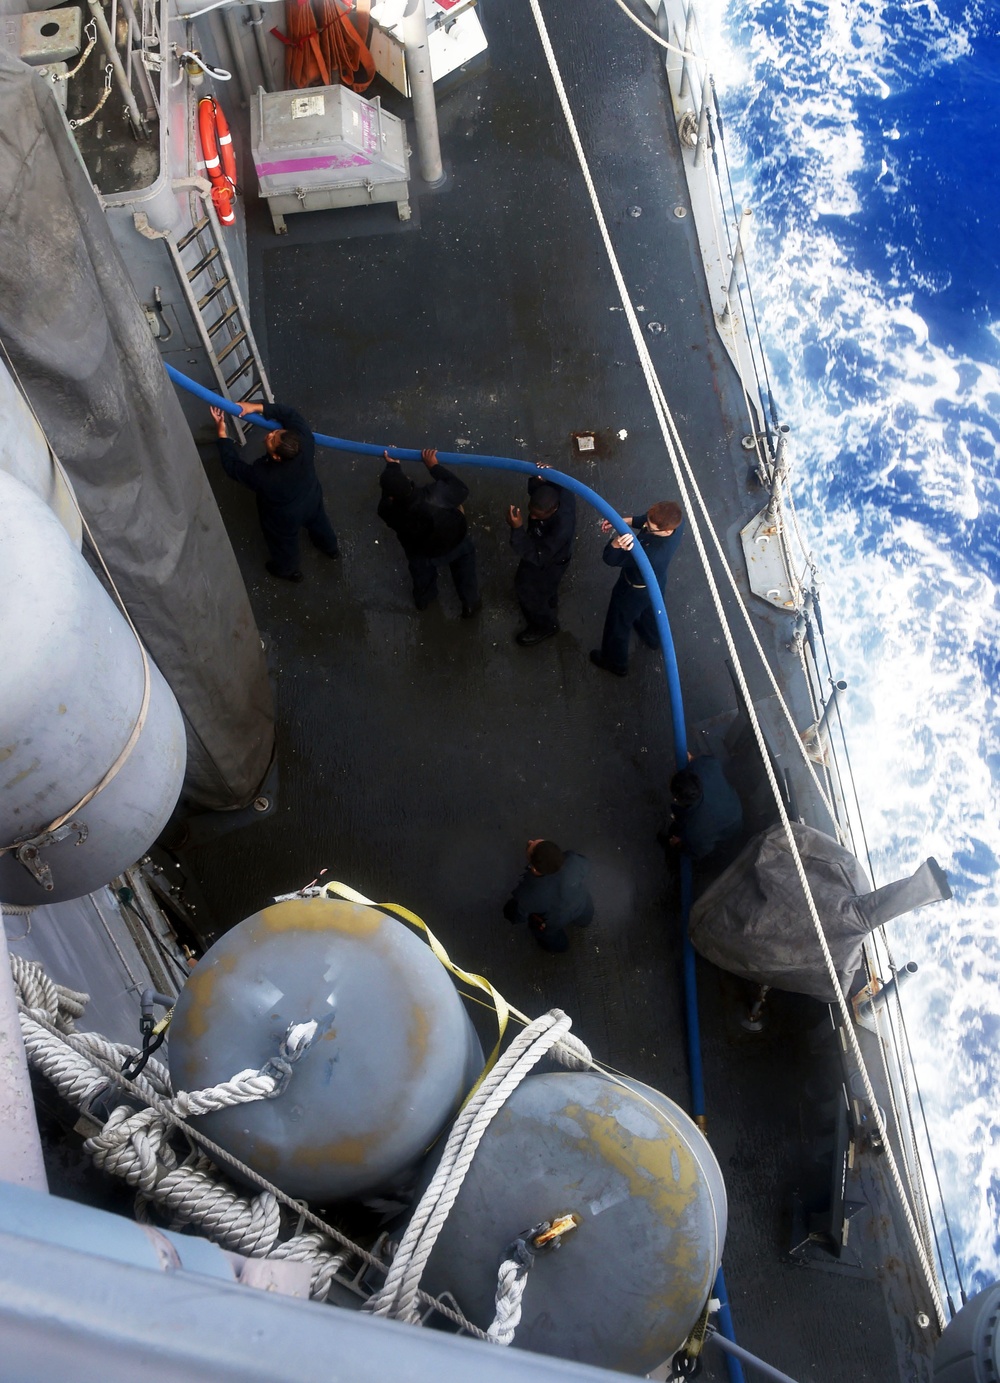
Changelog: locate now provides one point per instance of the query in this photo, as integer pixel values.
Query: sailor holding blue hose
(658, 532)
(284, 479)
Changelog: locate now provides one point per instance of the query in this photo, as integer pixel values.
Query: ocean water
(864, 135)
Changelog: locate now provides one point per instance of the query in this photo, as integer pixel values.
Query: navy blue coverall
(549, 903)
(545, 547)
(289, 495)
(432, 531)
(629, 607)
(715, 821)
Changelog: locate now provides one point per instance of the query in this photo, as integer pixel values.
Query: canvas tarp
(753, 920)
(80, 344)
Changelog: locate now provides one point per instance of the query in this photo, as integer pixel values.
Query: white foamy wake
(895, 450)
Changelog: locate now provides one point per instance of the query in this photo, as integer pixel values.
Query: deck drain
(655, 328)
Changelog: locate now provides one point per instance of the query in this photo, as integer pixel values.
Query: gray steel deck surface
(418, 752)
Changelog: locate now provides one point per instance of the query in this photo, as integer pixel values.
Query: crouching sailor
(552, 895)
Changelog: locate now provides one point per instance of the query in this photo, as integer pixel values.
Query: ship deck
(418, 752)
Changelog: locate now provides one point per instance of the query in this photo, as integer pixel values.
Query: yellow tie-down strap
(503, 1009)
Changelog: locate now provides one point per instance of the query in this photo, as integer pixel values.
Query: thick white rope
(548, 1034)
(512, 1279)
(317, 1250)
(651, 33)
(61, 1005)
(83, 1065)
(671, 440)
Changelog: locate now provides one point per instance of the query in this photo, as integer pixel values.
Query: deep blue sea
(864, 135)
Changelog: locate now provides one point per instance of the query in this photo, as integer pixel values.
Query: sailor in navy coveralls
(552, 895)
(545, 545)
(658, 532)
(432, 529)
(707, 816)
(284, 479)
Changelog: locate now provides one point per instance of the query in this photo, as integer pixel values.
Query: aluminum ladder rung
(218, 287)
(229, 334)
(227, 316)
(236, 341)
(203, 264)
(247, 365)
(195, 231)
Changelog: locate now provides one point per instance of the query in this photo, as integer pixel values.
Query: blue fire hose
(568, 482)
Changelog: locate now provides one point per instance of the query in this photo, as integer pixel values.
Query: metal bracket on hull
(27, 853)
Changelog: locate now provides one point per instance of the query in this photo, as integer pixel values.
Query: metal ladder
(208, 280)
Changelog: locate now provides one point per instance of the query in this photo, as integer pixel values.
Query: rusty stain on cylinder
(318, 914)
(201, 985)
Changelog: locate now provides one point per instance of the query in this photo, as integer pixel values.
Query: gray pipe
(257, 24)
(239, 57)
(418, 73)
(138, 124)
(731, 1347)
(152, 105)
(878, 1001)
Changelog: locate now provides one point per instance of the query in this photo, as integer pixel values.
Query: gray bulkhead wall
(78, 339)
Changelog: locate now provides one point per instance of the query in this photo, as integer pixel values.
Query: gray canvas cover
(753, 920)
(77, 337)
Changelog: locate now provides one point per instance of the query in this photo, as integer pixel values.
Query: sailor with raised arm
(432, 529)
(284, 479)
(659, 532)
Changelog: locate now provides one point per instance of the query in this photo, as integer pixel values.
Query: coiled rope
(134, 1146)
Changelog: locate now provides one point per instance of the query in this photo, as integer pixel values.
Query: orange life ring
(220, 161)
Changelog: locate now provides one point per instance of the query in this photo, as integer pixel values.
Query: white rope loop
(37, 992)
(317, 1250)
(512, 1279)
(399, 1296)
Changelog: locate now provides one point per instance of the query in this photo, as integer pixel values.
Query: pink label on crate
(306, 165)
(369, 128)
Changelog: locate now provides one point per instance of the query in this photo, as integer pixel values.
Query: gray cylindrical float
(394, 1056)
(24, 454)
(71, 687)
(627, 1285)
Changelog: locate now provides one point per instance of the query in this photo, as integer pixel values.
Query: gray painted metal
(73, 1311)
(20, 1146)
(88, 941)
(71, 686)
(52, 1220)
(421, 84)
(82, 347)
(969, 1349)
(326, 147)
(393, 1057)
(24, 453)
(627, 1285)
